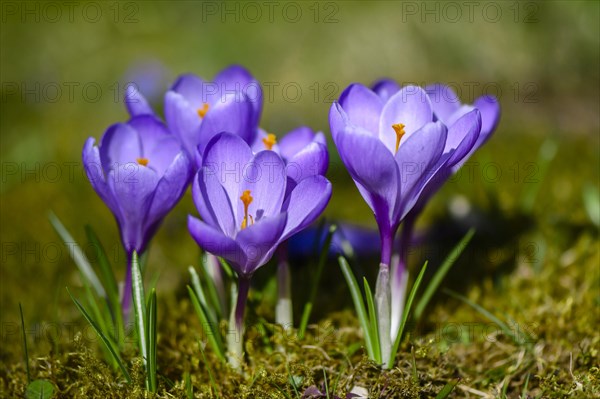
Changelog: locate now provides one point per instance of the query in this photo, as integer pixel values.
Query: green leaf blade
(77, 255)
(441, 273)
(359, 304)
(212, 332)
(109, 345)
(406, 313)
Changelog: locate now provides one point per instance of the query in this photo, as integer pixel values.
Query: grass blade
(152, 337)
(213, 383)
(103, 337)
(139, 306)
(447, 389)
(109, 282)
(315, 283)
(201, 296)
(25, 350)
(359, 304)
(227, 269)
(211, 330)
(215, 295)
(487, 314)
(189, 387)
(524, 393)
(406, 313)
(373, 321)
(78, 256)
(441, 273)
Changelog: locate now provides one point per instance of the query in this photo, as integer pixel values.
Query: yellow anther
(246, 200)
(269, 141)
(142, 161)
(399, 129)
(202, 111)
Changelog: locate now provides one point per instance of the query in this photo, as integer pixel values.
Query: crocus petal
(310, 161)
(227, 157)
(410, 107)
(295, 141)
(193, 89)
(231, 115)
(265, 177)
(170, 188)
(305, 203)
(459, 113)
(462, 136)
(183, 122)
(119, 145)
(417, 159)
(212, 202)
(443, 100)
(132, 186)
(214, 241)
(372, 166)
(362, 106)
(95, 174)
(238, 78)
(258, 241)
(490, 116)
(338, 120)
(159, 147)
(320, 138)
(136, 103)
(386, 88)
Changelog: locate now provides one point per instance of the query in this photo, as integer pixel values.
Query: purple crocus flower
(196, 110)
(303, 151)
(393, 147)
(140, 172)
(305, 154)
(461, 119)
(246, 212)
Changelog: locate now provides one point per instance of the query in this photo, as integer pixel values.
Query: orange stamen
(142, 161)
(269, 141)
(246, 200)
(202, 111)
(399, 129)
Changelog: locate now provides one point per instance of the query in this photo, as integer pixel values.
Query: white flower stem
(383, 308)
(283, 310)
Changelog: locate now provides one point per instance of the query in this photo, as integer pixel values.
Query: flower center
(202, 111)
(246, 200)
(399, 129)
(142, 161)
(269, 141)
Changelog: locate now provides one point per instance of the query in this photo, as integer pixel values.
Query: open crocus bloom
(140, 172)
(448, 108)
(470, 126)
(303, 151)
(392, 148)
(246, 213)
(196, 110)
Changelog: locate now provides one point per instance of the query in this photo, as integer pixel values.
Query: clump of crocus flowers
(254, 190)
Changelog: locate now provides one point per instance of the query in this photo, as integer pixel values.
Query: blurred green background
(64, 69)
